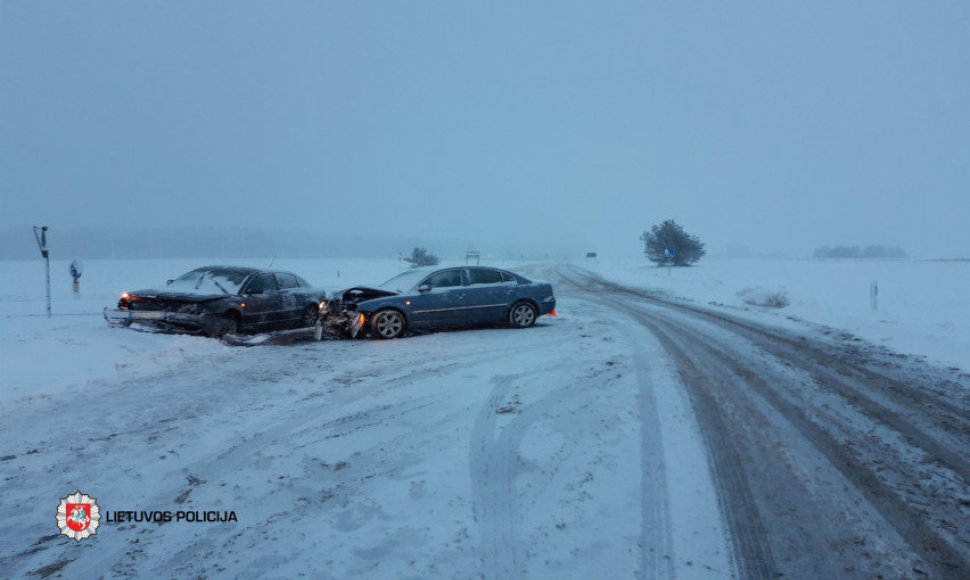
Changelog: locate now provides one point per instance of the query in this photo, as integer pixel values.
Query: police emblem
(78, 516)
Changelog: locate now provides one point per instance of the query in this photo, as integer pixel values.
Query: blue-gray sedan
(424, 299)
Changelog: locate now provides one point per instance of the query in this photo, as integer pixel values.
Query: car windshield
(210, 281)
(404, 281)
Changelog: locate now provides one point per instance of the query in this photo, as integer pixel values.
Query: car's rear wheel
(311, 315)
(522, 315)
(388, 324)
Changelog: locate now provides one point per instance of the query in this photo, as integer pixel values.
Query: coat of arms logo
(78, 516)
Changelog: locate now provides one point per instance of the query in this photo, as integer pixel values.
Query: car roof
(240, 269)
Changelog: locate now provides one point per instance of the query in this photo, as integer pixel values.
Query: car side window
(264, 283)
(507, 278)
(445, 279)
(286, 280)
(485, 276)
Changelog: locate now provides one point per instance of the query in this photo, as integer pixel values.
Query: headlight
(357, 325)
(323, 305)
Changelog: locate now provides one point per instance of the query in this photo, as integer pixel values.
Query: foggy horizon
(767, 129)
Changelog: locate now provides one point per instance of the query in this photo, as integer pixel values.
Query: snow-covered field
(923, 307)
(621, 439)
(40, 356)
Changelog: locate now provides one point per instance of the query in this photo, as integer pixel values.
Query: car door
(262, 299)
(291, 306)
(441, 304)
(486, 298)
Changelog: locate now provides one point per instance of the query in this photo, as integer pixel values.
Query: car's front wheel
(233, 324)
(522, 315)
(388, 324)
(311, 315)
(221, 326)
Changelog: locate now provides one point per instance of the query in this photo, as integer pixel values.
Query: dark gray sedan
(432, 299)
(219, 300)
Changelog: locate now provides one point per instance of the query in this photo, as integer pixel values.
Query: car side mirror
(424, 288)
(169, 282)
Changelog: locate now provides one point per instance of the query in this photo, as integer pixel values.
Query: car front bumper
(179, 321)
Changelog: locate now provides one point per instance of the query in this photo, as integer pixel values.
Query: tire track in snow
(712, 367)
(494, 461)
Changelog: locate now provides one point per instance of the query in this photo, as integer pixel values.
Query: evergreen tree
(687, 249)
(421, 257)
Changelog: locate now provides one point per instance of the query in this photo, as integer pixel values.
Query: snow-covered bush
(760, 297)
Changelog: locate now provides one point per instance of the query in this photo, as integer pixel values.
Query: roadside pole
(41, 234)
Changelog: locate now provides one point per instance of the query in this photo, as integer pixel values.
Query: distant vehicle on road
(216, 300)
(426, 299)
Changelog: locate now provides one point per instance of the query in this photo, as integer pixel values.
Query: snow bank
(923, 307)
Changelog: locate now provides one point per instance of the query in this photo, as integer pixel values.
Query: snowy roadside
(493, 453)
(923, 307)
(41, 357)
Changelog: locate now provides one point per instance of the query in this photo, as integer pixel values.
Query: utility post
(41, 234)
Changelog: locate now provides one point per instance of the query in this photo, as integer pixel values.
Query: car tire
(231, 325)
(311, 314)
(388, 323)
(522, 315)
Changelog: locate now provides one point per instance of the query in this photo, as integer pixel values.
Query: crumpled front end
(186, 320)
(341, 323)
(340, 318)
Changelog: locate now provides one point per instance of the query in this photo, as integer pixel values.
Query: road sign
(40, 233)
(668, 253)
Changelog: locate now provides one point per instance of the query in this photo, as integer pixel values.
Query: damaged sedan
(219, 300)
(421, 300)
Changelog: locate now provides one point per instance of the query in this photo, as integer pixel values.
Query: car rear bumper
(547, 305)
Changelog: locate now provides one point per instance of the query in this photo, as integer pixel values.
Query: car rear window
(481, 276)
(506, 277)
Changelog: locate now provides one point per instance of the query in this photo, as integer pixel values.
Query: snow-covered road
(630, 437)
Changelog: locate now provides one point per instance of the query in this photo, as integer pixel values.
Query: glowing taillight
(553, 313)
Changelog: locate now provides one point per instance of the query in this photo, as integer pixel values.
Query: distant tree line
(859, 252)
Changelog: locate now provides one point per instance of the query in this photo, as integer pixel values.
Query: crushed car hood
(187, 297)
(359, 294)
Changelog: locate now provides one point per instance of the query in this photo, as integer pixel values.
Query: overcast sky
(775, 125)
